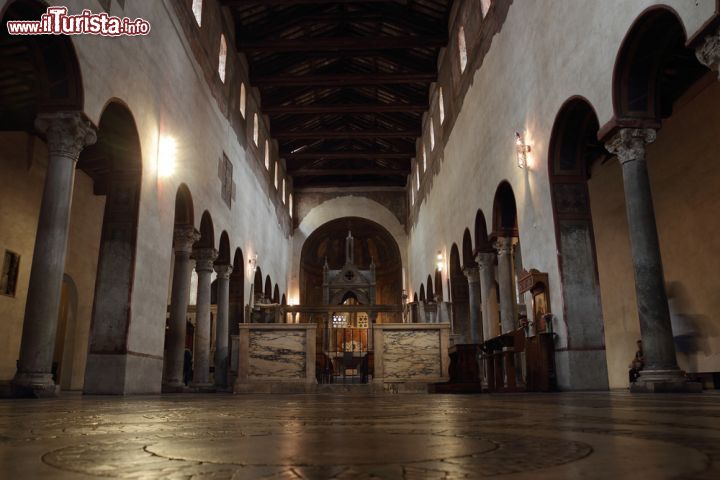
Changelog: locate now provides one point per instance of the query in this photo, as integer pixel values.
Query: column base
(203, 387)
(664, 381)
(174, 388)
(34, 385)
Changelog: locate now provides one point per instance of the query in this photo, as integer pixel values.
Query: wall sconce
(252, 264)
(522, 151)
(439, 261)
(166, 157)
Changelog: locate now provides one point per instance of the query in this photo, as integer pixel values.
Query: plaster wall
(684, 176)
(526, 76)
(23, 162)
(159, 80)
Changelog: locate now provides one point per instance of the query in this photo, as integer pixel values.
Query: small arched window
(255, 129)
(267, 155)
(424, 154)
(197, 11)
(432, 135)
(290, 207)
(242, 99)
(283, 191)
(412, 197)
(417, 177)
(441, 106)
(222, 62)
(462, 48)
(277, 167)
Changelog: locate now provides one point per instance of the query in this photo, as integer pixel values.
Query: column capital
(485, 259)
(472, 274)
(504, 245)
(709, 52)
(223, 271)
(204, 258)
(184, 236)
(628, 144)
(67, 133)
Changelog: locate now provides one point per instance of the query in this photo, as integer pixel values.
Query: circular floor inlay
(343, 448)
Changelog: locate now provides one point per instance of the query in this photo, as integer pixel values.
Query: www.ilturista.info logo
(56, 21)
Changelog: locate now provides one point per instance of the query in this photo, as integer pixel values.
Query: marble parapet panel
(277, 354)
(274, 355)
(410, 354)
(407, 353)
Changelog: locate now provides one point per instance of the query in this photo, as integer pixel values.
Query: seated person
(637, 364)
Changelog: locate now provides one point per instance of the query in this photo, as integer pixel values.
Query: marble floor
(539, 436)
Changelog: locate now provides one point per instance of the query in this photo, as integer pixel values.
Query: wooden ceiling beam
(293, 3)
(347, 108)
(342, 43)
(285, 134)
(347, 156)
(349, 171)
(345, 80)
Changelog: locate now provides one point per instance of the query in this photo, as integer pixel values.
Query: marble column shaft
(222, 325)
(506, 281)
(184, 237)
(488, 292)
(204, 258)
(67, 133)
(474, 304)
(658, 347)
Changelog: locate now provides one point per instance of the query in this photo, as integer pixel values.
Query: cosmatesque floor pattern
(288, 437)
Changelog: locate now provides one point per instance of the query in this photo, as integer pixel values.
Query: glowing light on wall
(522, 150)
(167, 156)
(439, 261)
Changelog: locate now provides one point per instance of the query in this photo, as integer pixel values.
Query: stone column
(488, 292)
(222, 325)
(67, 133)
(184, 237)
(474, 302)
(661, 367)
(709, 52)
(204, 258)
(506, 280)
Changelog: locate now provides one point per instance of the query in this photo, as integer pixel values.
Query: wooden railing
(505, 356)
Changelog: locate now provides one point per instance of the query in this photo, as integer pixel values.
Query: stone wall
(545, 52)
(170, 92)
(23, 163)
(684, 175)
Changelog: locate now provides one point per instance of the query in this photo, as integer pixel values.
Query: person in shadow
(637, 364)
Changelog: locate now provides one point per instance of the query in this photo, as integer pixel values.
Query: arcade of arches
(447, 196)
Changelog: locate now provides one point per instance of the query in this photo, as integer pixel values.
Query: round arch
(114, 163)
(653, 68)
(460, 294)
(468, 257)
(207, 231)
(184, 209)
(237, 292)
(373, 244)
(504, 212)
(56, 82)
(347, 206)
(573, 148)
(223, 257)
